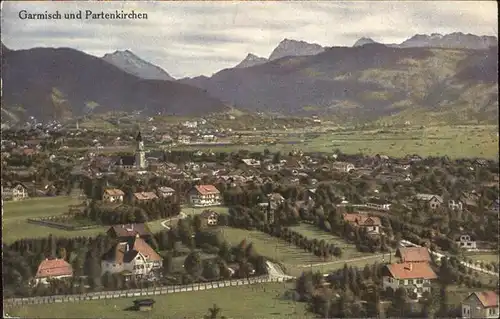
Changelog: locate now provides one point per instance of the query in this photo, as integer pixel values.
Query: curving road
(180, 216)
(435, 253)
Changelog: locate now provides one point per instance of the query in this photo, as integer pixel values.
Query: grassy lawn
(198, 210)
(310, 231)
(293, 258)
(271, 247)
(453, 141)
(487, 257)
(16, 227)
(246, 302)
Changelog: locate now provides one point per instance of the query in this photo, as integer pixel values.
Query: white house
(132, 257)
(210, 217)
(343, 166)
(466, 242)
(204, 196)
(18, 192)
(455, 205)
(52, 269)
(482, 304)
(165, 191)
(414, 277)
(113, 195)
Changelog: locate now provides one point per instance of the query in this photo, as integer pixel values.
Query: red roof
(414, 254)
(411, 271)
(206, 189)
(487, 298)
(362, 220)
(54, 267)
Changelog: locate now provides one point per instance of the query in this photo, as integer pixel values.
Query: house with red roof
(370, 223)
(482, 304)
(132, 256)
(204, 195)
(414, 277)
(413, 254)
(53, 269)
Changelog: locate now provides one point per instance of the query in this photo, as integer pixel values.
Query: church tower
(140, 155)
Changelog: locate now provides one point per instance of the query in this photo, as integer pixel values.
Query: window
(410, 281)
(492, 311)
(419, 281)
(401, 282)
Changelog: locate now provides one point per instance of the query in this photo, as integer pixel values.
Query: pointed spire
(139, 137)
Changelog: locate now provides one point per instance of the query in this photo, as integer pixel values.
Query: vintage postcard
(250, 159)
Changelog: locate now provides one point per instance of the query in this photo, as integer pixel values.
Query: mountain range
(59, 83)
(454, 75)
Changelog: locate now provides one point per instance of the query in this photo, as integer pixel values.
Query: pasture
(296, 260)
(15, 213)
(487, 257)
(452, 141)
(310, 231)
(245, 302)
(198, 210)
(270, 247)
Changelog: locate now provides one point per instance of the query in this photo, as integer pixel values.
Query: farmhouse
(113, 195)
(53, 269)
(128, 230)
(370, 224)
(204, 195)
(413, 254)
(414, 277)
(433, 201)
(132, 257)
(482, 304)
(18, 192)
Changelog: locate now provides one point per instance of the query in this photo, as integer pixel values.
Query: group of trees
(22, 258)
(135, 212)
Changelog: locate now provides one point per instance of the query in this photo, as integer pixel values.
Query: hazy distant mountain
(363, 41)
(60, 83)
(295, 48)
(367, 82)
(456, 40)
(131, 63)
(251, 60)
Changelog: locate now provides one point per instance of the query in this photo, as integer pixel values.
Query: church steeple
(138, 138)
(140, 156)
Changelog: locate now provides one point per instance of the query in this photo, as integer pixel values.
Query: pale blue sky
(194, 38)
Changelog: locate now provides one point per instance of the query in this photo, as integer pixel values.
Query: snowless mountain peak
(289, 47)
(131, 63)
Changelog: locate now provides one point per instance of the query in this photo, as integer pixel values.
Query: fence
(141, 292)
(49, 221)
(385, 207)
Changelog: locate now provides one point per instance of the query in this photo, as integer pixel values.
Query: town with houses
(419, 234)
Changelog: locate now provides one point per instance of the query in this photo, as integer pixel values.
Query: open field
(271, 247)
(310, 231)
(247, 302)
(452, 141)
(487, 257)
(198, 210)
(15, 225)
(293, 258)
